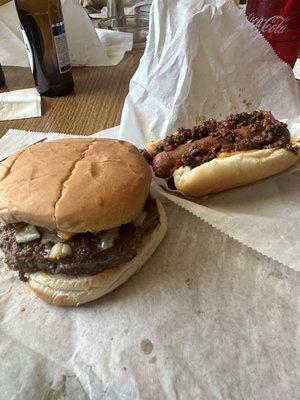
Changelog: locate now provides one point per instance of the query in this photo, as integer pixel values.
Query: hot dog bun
(236, 169)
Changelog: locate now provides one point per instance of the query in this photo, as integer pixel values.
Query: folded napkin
(18, 104)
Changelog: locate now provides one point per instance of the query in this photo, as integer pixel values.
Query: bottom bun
(64, 290)
(234, 170)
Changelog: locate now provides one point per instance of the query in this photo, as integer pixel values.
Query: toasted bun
(63, 290)
(234, 170)
(152, 147)
(74, 185)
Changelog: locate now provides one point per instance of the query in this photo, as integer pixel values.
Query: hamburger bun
(74, 185)
(63, 290)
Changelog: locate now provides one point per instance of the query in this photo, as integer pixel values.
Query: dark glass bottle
(2, 78)
(45, 39)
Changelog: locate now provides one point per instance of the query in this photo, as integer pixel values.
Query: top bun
(74, 185)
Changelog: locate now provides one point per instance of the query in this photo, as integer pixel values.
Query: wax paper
(206, 317)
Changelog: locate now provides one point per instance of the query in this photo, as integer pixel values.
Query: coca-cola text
(279, 22)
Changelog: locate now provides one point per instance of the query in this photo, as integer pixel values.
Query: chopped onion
(27, 234)
(108, 238)
(140, 219)
(60, 250)
(65, 235)
(48, 236)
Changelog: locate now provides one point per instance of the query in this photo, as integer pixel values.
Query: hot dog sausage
(165, 161)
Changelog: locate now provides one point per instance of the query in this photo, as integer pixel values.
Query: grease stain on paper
(276, 274)
(199, 312)
(58, 391)
(146, 346)
(189, 282)
(247, 103)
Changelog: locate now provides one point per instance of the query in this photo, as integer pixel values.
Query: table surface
(96, 103)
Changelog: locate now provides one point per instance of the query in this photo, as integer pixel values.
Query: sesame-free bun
(64, 290)
(231, 170)
(74, 185)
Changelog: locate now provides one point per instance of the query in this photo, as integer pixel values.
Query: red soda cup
(279, 22)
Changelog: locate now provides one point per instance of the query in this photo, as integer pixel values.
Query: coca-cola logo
(276, 24)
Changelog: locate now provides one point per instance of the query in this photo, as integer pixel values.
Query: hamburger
(77, 219)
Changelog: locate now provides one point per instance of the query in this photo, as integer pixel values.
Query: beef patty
(87, 256)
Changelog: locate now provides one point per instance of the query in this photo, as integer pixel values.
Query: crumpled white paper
(297, 69)
(129, 8)
(206, 61)
(18, 104)
(205, 318)
(85, 44)
(203, 61)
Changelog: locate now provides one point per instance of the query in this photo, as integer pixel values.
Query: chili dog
(215, 156)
